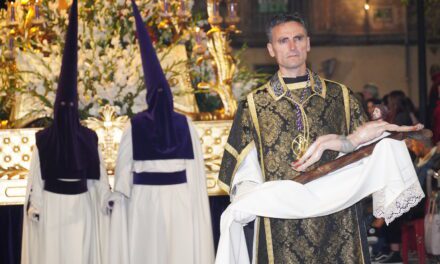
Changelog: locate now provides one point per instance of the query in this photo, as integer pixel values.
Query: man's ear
(308, 44)
(270, 49)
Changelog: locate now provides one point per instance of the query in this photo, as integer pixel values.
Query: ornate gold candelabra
(220, 52)
(174, 14)
(21, 22)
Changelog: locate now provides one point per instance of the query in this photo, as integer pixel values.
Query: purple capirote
(158, 133)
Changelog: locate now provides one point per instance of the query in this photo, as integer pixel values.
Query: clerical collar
(289, 80)
(277, 88)
(299, 82)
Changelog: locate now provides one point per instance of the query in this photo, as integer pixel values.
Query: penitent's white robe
(161, 223)
(72, 229)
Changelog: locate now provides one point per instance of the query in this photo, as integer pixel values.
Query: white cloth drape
(71, 228)
(388, 174)
(161, 224)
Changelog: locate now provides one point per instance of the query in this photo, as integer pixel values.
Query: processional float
(23, 21)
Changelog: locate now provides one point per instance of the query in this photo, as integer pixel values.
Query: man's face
(367, 94)
(289, 45)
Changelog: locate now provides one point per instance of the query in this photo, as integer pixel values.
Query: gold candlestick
(220, 54)
(232, 18)
(11, 18)
(198, 48)
(214, 17)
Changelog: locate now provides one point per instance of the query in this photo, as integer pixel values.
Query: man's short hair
(372, 90)
(284, 18)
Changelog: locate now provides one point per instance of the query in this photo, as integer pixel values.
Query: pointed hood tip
(67, 85)
(168, 132)
(155, 81)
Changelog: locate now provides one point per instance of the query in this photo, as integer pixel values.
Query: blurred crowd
(421, 225)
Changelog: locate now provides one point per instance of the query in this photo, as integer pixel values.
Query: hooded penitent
(158, 133)
(68, 150)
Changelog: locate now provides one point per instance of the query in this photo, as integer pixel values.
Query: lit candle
(232, 9)
(37, 10)
(11, 44)
(215, 8)
(366, 6)
(198, 36)
(12, 17)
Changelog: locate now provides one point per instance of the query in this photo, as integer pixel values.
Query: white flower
(94, 110)
(140, 102)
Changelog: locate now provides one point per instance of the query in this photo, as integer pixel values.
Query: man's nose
(292, 45)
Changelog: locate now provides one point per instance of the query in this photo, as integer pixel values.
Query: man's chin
(295, 66)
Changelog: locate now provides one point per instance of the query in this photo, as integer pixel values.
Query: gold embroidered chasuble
(268, 120)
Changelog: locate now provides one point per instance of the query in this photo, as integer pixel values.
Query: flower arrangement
(109, 65)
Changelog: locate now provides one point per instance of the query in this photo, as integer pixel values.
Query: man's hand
(367, 132)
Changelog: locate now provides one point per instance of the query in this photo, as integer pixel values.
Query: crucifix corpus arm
(365, 133)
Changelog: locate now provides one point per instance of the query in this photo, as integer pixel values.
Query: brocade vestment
(270, 118)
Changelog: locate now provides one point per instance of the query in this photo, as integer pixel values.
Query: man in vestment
(277, 122)
(64, 216)
(161, 211)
